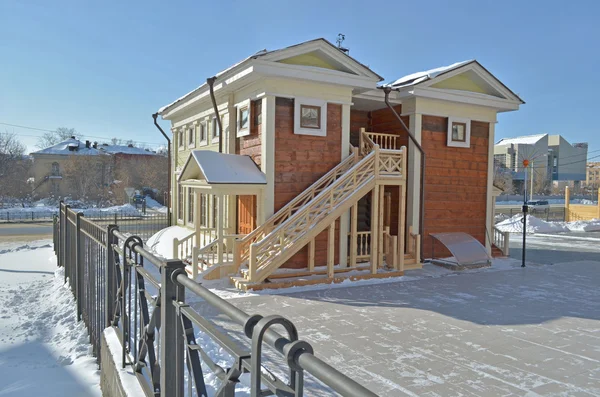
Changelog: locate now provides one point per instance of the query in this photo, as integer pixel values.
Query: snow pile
(155, 205)
(161, 242)
(125, 209)
(45, 350)
(534, 225)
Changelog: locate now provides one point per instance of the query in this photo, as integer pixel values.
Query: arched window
(55, 169)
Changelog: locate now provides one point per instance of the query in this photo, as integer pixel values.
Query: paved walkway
(532, 331)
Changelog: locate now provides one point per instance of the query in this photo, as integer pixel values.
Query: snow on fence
(118, 283)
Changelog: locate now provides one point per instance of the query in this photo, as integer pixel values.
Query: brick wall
(455, 183)
(300, 160)
(250, 145)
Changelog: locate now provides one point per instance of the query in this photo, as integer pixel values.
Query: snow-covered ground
(44, 350)
(536, 225)
(550, 201)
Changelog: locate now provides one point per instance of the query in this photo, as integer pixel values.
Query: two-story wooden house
(317, 179)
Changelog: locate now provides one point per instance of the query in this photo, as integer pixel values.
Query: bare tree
(14, 167)
(503, 178)
(89, 176)
(54, 137)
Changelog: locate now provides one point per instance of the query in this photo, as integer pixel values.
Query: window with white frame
(310, 116)
(459, 132)
(181, 138)
(203, 210)
(180, 203)
(243, 119)
(191, 137)
(202, 133)
(215, 129)
(214, 211)
(191, 203)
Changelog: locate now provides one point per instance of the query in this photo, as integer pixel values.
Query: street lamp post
(525, 209)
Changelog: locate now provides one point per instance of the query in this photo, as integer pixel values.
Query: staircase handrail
(301, 218)
(299, 201)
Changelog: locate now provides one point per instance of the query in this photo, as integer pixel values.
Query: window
(181, 138)
(243, 115)
(214, 211)
(55, 169)
(191, 137)
(203, 132)
(190, 205)
(180, 203)
(203, 210)
(215, 128)
(257, 112)
(459, 132)
(310, 116)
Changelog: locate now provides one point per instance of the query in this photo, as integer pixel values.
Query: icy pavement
(514, 332)
(43, 349)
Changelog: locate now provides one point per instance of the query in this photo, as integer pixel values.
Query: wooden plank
(311, 255)
(374, 228)
(331, 249)
(401, 228)
(353, 235)
(381, 225)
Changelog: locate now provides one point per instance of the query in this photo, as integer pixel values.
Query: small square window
(191, 137)
(243, 118)
(310, 116)
(459, 132)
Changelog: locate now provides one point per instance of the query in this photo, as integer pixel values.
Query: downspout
(154, 116)
(387, 91)
(211, 81)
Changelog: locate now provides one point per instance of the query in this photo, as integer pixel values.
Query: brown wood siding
(455, 183)
(250, 145)
(300, 160)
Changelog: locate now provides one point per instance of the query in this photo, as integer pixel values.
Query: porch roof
(214, 168)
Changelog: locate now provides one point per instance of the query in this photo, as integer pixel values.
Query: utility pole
(525, 209)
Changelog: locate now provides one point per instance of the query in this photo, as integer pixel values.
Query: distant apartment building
(553, 159)
(592, 175)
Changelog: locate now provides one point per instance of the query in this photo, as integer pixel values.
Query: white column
(413, 189)
(220, 213)
(489, 208)
(345, 218)
(267, 156)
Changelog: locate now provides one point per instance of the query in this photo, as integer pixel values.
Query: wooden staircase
(377, 162)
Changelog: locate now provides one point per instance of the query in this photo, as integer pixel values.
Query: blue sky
(104, 67)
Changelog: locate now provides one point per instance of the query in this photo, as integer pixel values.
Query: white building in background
(554, 159)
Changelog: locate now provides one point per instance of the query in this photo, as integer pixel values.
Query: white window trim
(190, 205)
(238, 107)
(213, 126)
(467, 142)
(180, 221)
(311, 102)
(181, 138)
(192, 129)
(203, 142)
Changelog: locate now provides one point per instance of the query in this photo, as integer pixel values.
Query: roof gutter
(386, 91)
(211, 81)
(154, 116)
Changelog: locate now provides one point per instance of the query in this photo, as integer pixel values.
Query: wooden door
(246, 214)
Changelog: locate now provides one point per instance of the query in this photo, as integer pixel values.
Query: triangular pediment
(471, 77)
(320, 54)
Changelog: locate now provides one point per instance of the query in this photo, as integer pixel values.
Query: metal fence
(549, 214)
(118, 283)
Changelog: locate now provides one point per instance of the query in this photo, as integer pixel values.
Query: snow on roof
(62, 148)
(521, 140)
(221, 168)
(419, 77)
(114, 149)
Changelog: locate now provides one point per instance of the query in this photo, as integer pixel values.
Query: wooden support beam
(374, 228)
(381, 226)
(331, 250)
(353, 234)
(311, 255)
(401, 227)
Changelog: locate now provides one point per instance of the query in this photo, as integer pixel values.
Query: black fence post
(171, 333)
(78, 264)
(66, 246)
(110, 279)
